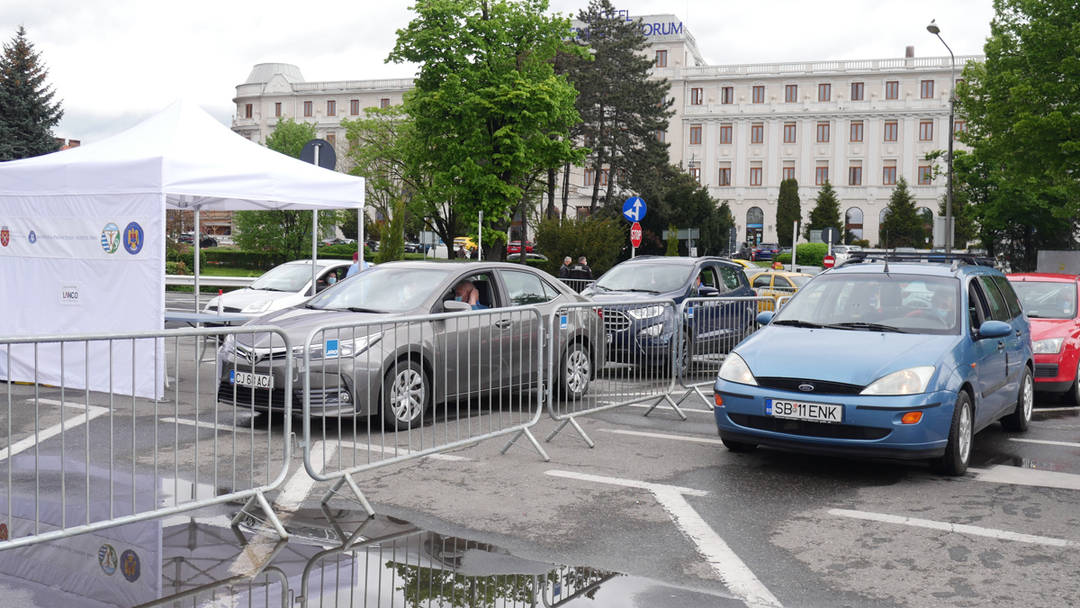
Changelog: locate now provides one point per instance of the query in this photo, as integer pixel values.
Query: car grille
(808, 429)
(821, 387)
(245, 395)
(615, 320)
(1046, 370)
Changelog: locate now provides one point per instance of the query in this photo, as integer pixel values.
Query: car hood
(836, 355)
(1042, 329)
(297, 323)
(622, 296)
(256, 298)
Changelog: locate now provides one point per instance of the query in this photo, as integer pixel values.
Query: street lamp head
(933, 28)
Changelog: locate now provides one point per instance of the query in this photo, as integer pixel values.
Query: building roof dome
(263, 72)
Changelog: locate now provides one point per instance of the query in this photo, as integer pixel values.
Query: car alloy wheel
(577, 371)
(1020, 418)
(958, 448)
(964, 435)
(405, 396)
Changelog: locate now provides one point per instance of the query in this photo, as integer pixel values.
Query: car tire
(1019, 420)
(739, 447)
(405, 396)
(576, 372)
(961, 437)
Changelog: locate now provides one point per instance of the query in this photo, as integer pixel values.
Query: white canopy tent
(82, 234)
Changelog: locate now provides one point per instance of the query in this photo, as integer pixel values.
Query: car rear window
(1047, 299)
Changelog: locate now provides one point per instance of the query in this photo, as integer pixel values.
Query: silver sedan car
(394, 341)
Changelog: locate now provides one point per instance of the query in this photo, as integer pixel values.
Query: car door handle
(1001, 346)
(502, 324)
(1019, 333)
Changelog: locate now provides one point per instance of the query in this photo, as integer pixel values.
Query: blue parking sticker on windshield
(689, 312)
(563, 320)
(331, 348)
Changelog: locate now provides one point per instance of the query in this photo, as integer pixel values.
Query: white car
(280, 287)
(841, 253)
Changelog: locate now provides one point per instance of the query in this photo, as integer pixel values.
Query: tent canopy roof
(193, 159)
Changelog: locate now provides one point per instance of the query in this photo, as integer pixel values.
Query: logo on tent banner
(133, 238)
(129, 565)
(110, 238)
(32, 237)
(106, 557)
(5, 236)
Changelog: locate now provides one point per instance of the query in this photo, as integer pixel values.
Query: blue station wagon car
(909, 373)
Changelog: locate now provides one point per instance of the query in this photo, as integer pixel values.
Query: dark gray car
(392, 341)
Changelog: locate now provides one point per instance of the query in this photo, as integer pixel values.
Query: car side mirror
(708, 292)
(765, 317)
(994, 329)
(456, 306)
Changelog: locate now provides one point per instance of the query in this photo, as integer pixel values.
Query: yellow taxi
(776, 284)
(744, 263)
(464, 242)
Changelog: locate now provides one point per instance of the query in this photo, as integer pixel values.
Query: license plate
(249, 379)
(800, 410)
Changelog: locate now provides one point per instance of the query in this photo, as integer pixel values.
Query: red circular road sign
(635, 235)
(828, 261)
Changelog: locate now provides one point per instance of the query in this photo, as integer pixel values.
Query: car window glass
(647, 277)
(977, 311)
(730, 278)
(382, 289)
(1009, 295)
(287, 277)
(708, 278)
(524, 288)
(1047, 299)
(550, 290)
(762, 280)
(998, 310)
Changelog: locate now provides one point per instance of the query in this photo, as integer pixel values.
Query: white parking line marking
(1064, 444)
(1001, 473)
(56, 429)
(297, 488)
(664, 436)
(396, 451)
(209, 425)
(951, 527)
(735, 574)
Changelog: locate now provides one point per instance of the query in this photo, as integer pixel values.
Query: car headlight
(911, 381)
(228, 345)
(345, 348)
(1050, 346)
(735, 369)
(260, 307)
(646, 312)
(652, 330)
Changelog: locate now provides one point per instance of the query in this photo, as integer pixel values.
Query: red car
(1050, 302)
(515, 247)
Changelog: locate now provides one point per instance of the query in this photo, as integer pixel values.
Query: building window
(354, 107)
(248, 110)
(926, 89)
(661, 135)
(824, 91)
(590, 175)
(695, 172)
(331, 108)
(790, 131)
(661, 59)
(604, 177)
(755, 176)
(695, 134)
(384, 102)
(853, 222)
(331, 138)
(856, 131)
(856, 91)
(823, 132)
(759, 94)
(788, 173)
(727, 95)
(695, 96)
(890, 130)
(308, 108)
(821, 175)
(925, 175)
(725, 134)
(888, 175)
(277, 109)
(892, 89)
(725, 176)
(791, 93)
(926, 130)
(757, 133)
(854, 175)
(959, 127)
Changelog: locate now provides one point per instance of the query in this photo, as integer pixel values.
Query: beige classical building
(740, 129)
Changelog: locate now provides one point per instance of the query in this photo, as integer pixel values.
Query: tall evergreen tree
(788, 210)
(27, 110)
(903, 226)
(826, 211)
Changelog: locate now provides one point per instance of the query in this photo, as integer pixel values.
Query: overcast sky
(113, 62)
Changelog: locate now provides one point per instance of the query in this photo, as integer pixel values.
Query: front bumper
(1055, 373)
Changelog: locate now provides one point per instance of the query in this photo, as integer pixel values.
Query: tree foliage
(27, 110)
(903, 225)
(674, 197)
(490, 116)
(392, 245)
(826, 211)
(596, 238)
(788, 210)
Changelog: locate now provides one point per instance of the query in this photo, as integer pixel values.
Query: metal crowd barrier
(382, 392)
(93, 441)
(577, 285)
(609, 355)
(269, 587)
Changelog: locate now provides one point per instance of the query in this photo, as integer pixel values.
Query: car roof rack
(931, 257)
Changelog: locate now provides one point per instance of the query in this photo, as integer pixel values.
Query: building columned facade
(861, 125)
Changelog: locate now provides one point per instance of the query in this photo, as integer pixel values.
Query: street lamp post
(935, 30)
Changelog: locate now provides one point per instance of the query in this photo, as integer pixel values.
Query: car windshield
(1046, 299)
(287, 277)
(876, 302)
(798, 280)
(652, 278)
(382, 289)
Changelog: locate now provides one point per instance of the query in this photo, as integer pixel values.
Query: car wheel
(576, 372)
(405, 395)
(739, 447)
(961, 434)
(1025, 401)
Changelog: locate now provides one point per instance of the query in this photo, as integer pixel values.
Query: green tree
(965, 228)
(672, 240)
(392, 245)
(675, 197)
(490, 115)
(826, 211)
(599, 239)
(287, 232)
(716, 232)
(903, 226)
(788, 210)
(27, 110)
(1022, 108)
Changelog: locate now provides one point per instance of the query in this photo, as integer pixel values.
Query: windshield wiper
(867, 327)
(796, 323)
(1031, 316)
(641, 290)
(601, 287)
(358, 309)
(270, 289)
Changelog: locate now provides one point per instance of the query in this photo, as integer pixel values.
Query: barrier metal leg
(271, 517)
(674, 406)
(577, 427)
(347, 479)
(695, 389)
(529, 435)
